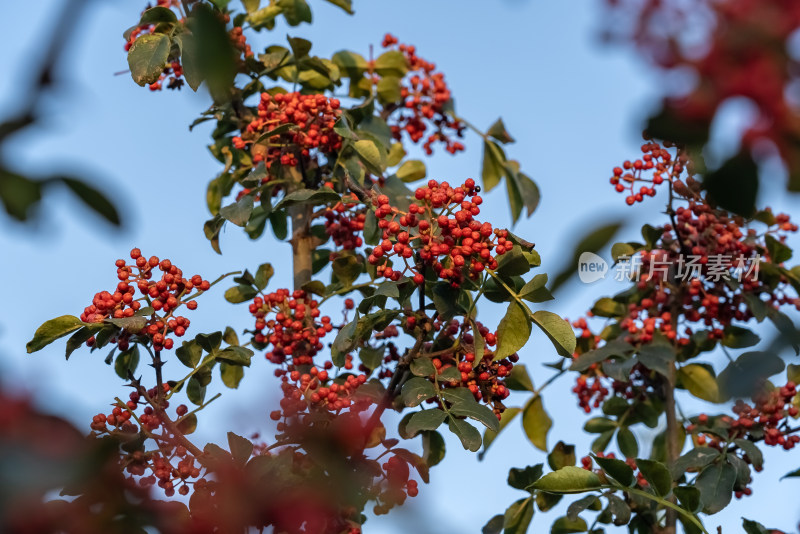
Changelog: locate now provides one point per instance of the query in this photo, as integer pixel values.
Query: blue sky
(573, 105)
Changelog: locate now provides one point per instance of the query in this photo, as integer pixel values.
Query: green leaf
(657, 358)
(562, 455)
(518, 517)
(295, 11)
(752, 451)
(425, 420)
(522, 478)
(411, 171)
(558, 330)
(619, 250)
(354, 65)
(346, 5)
(513, 263)
(626, 442)
(391, 63)
(263, 275)
(264, 17)
(579, 506)
(689, 497)
(373, 158)
(147, 57)
(388, 90)
(778, 251)
(570, 479)
(465, 405)
(493, 165)
(734, 186)
(52, 330)
(240, 293)
(535, 291)
(251, 5)
(494, 525)
(606, 307)
(127, 362)
(536, 423)
(596, 425)
(754, 527)
(235, 356)
(563, 525)
(187, 424)
(737, 337)
(490, 435)
(700, 382)
(189, 353)
(345, 341)
(433, 447)
(518, 379)
(241, 448)
(195, 391)
(157, 14)
(513, 331)
(715, 483)
(231, 374)
(239, 212)
(693, 459)
(323, 195)
(300, 47)
(19, 194)
(744, 374)
(417, 390)
(656, 474)
(94, 199)
(499, 132)
(616, 469)
(422, 367)
(80, 337)
(468, 434)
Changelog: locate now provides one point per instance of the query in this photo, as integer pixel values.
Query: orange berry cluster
(442, 230)
(425, 99)
(312, 118)
(165, 295)
(657, 162)
(293, 331)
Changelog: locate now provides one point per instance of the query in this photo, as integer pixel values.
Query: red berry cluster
(293, 331)
(165, 295)
(767, 419)
(119, 418)
(442, 231)
(657, 162)
(722, 251)
(425, 97)
(311, 117)
(344, 222)
(314, 389)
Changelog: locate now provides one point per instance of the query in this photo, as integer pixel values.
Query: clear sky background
(574, 106)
